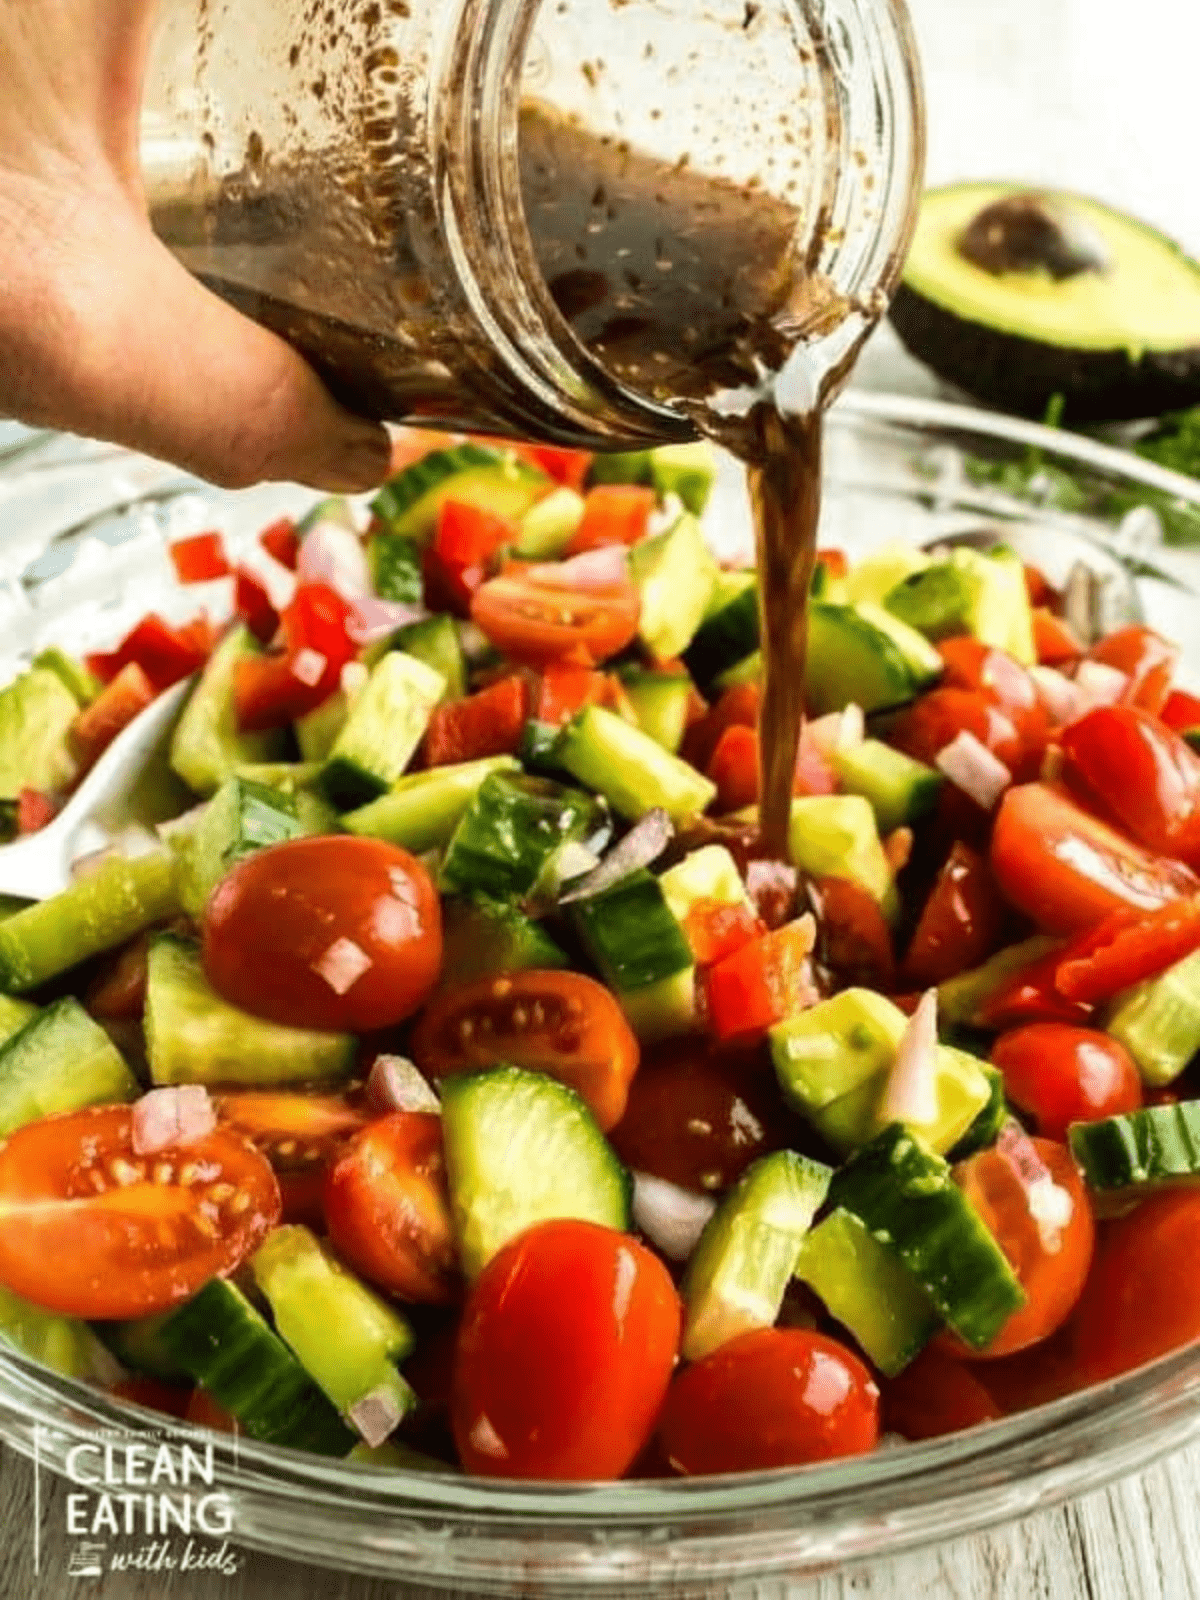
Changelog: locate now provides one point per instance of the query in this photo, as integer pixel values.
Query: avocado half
(1018, 295)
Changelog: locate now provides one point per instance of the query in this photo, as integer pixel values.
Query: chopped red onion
(172, 1118)
(342, 965)
(372, 619)
(772, 887)
(671, 1218)
(1098, 684)
(396, 1084)
(1061, 697)
(570, 862)
(840, 730)
(354, 678)
(1050, 1205)
(910, 1095)
(309, 666)
(335, 556)
(604, 568)
(473, 642)
(643, 844)
(973, 768)
(376, 1416)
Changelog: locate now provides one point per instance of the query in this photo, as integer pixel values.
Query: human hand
(102, 332)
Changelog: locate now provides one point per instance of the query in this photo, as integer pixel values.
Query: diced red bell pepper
(1146, 778)
(737, 708)
(1053, 639)
(1038, 587)
(254, 606)
(1147, 660)
(715, 929)
(271, 691)
(613, 513)
(734, 768)
(1181, 712)
(283, 542)
(566, 688)
(113, 709)
(200, 558)
(457, 562)
(35, 810)
(567, 467)
(1126, 949)
(834, 562)
(486, 724)
(165, 654)
(762, 983)
(960, 924)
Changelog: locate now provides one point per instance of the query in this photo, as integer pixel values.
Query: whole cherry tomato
(1143, 776)
(935, 1395)
(961, 922)
(1060, 1075)
(337, 933)
(566, 1348)
(777, 1397)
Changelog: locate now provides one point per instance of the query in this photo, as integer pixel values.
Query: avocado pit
(1030, 233)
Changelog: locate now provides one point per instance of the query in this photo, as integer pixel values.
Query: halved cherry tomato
(613, 513)
(1148, 660)
(118, 990)
(200, 558)
(762, 983)
(253, 606)
(387, 1208)
(90, 1229)
(337, 932)
(113, 709)
(1181, 712)
(1067, 870)
(1143, 1297)
(169, 1398)
(936, 1395)
(489, 723)
(566, 688)
(565, 1352)
(1143, 776)
(206, 1411)
(777, 1397)
(282, 541)
(698, 1115)
(716, 929)
(1126, 948)
(1051, 1262)
(533, 620)
(560, 1023)
(165, 654)
(856, 942)
(1060, 1075)
(299, 1134)
(35, 810)
(1053, 640)
(961, 922)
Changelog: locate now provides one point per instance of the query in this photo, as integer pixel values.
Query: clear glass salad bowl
(83, 555)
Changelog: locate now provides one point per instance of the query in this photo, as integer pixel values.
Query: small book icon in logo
(86, 1561)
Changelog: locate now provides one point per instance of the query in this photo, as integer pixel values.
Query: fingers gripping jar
(579, 219)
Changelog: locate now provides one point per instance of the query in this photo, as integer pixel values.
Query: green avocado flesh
(1117, 335)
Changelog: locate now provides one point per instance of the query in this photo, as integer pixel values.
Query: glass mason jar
(577, 219)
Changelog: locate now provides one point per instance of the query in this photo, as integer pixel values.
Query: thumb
(140, 353)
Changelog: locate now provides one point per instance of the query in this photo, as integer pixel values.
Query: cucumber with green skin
(394, 562)
(727, 636)
(521, 1149)
(422, 810)
(631, 935)
(631, 771)
(223, 1344)
(208, 746)
(1156, 1144)
(193, 1036)
(660, 701)
(901, 791)
(511, 829)
(471, 474)
(483, 936)
(907, 1197)
(386, 723)
(61, 1060)
(107, 908)
(241, 818)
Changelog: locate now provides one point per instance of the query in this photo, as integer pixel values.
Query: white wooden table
(1095, 95)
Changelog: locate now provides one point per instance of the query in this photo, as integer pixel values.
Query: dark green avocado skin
(1023, 375)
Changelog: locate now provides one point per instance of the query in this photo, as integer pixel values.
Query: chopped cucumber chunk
(906, 1197)
(435, 641)
(395, 566)
(105, 909)
(79, 679)
(385, 725)
(1158, 1022)
(423, 810)
(241, 818)
(631, 771)
(208, 746)
(835, 835)
(748, 1251)
(876, 575)
(1139, 1148)
(60, 1061)
(727, 635)
(36, 713)
(510, 830)
(869, 1290)
(900, 790)
(686, 470)
(344, 1336)
(631, 935)
(862, 655)
(522, 1148)
(660, 702)
(674, 573)
(483, 936)
(193, 1036)
(14, 1014)
(961, 999)
(708, 874)
(472, 474)
(548, 527)
(61, 1343)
